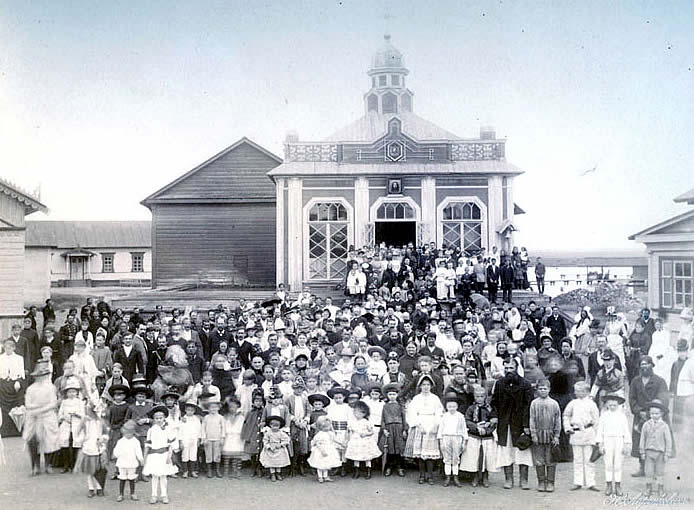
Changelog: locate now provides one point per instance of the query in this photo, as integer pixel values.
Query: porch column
(653, 281)
(294, 235)
(279, 231)
(361, 210)
(495, 211)
(428, 225)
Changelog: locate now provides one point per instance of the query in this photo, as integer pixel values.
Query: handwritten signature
(642, 500)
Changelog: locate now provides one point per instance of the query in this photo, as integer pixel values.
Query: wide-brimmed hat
(659, 404)
(390, 387)
(613, 396)
(378, 349)
(524, 441)
(138, 379)
(171, 392)
(42, 368)
(338, 389)
(319, 397)
(298, 382)
(274, 418)
(300, 355)
(647, 359)
(140, 388)
(607, 354)
(119, 387)
(72, 383)
(192, 403)
(161, 408)
(374, 386)
(424, 377)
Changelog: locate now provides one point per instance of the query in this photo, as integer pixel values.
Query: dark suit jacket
(594, 367)
(493, 274)
(214, 339)
(507, 276)
(131, 364)
(512, 403)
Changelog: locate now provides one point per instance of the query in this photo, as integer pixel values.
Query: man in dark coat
(67, 335)
(643, 389)
(595, 361)
(28, 346)
(557, 327)
(217, 336)
(48, 312)
(493, 280)
(131, 358)
(507, 277)
(511, 398)
(540, 275)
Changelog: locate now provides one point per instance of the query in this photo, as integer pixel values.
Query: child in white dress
(158, 454)
(324, 455)
(361, 445)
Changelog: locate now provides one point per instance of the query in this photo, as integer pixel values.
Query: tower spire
(388, 94)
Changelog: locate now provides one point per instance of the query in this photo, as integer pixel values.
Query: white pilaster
(653, 281)
(361, 210)
(294, 237)
(495, 208)
(279, 231)
(429, 210)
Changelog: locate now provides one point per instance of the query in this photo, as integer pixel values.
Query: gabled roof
(687, 197)
(373, 126)
(243, 141)
(70, 235)
(664, 224)
(31, 203)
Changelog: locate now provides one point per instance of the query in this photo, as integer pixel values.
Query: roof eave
(151, 198)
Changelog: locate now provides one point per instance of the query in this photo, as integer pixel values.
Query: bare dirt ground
(64, 491)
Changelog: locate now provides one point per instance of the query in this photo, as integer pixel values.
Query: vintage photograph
(346, 254)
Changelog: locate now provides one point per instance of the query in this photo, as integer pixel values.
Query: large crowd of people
(410, 370)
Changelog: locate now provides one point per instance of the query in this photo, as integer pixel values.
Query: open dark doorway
(396, 233)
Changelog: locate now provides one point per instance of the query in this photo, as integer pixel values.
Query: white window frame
(472, 199)
(673, 294)
(350, 232)
(373, 211)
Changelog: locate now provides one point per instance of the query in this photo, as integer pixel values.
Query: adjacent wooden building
(670, 246)
(216, 223)
(15, 204)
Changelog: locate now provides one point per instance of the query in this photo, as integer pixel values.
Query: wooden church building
(391, 176)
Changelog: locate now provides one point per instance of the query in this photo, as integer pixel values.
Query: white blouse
(11, 367)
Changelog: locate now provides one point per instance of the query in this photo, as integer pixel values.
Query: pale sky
(103, 103)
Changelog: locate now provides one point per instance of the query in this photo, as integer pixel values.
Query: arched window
(395, 211)
(373, 103)
(406, 102)
(327, 241)
(462, 226)
(390, 103)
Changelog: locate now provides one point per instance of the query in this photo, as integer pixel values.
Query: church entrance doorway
(396, 233)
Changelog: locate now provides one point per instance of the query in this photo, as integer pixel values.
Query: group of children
(332, 430)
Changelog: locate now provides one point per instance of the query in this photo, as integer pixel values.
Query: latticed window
(677, 283)
(327, 240)
(462, 226)
(395, 211)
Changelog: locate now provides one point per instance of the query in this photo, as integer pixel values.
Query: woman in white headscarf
(616, 332)
(662, 352)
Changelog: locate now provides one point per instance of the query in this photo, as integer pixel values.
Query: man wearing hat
(298, 406)
(643, 389)
(139, 411)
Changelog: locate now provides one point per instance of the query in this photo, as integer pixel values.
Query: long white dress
(663, 354)
(615, 341)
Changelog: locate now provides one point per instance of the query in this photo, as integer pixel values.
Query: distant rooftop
(626, 258)
(89, 234)
(687, 197)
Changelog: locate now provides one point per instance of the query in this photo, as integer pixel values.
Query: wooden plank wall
(11, 211)
(11, 271)
(240, 173)
(194, 241)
